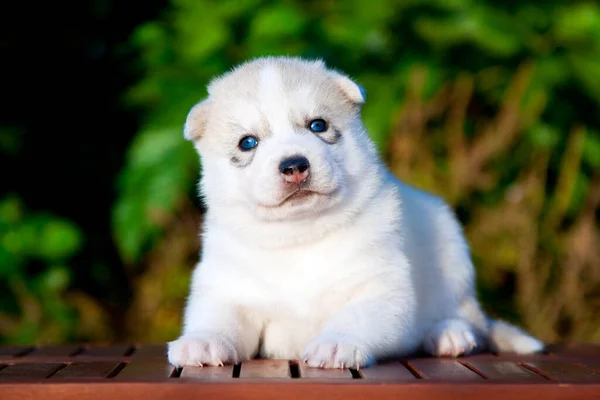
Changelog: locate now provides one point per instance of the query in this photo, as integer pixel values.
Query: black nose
(294, 164)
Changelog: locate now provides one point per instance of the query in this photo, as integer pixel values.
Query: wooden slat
(506, 371)
(85, 370)
(151, 351)
(592, 363)
(28, 371)
(564, 371)
(119, 350)
(297, 389)
(577, 350)
(523, 357)
(443, 369)
(13, 351)
(210, 374)
(55, 351)
(307, 372)
(388, 372)
(145, 370)
(265, 369)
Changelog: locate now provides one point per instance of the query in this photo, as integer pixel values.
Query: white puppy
(312, 250)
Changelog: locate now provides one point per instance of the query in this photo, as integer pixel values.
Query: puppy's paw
(200, 351)
(336, 351)
(450, 338)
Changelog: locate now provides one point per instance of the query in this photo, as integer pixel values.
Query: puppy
(312, 250)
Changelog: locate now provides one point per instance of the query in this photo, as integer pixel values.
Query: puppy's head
(280, 137)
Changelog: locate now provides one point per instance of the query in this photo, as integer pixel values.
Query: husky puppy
(312, 250)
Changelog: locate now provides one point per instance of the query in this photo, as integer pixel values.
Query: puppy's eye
(247, 143)
(317, 125)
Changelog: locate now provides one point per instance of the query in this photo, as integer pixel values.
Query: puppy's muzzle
(295, 169)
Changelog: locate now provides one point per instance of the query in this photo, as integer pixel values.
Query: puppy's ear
(196, 121)
(355, 93)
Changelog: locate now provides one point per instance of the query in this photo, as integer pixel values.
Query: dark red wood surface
(136, 371)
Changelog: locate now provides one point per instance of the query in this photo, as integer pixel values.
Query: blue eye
(317, 125)
(247, 143)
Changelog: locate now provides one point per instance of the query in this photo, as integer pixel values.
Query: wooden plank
(28, 371)
(307, 372)
(574, 350)
(55, 351)
(14, 351)
(158, 351)
(592, 363)
(563, 371)
(297, 389)
(145, 370)
(118, 350)
(442, 369)
(265, 369)
(506, 371)
(388, 372)
(85, 370)
(207, 374)
(521, 357)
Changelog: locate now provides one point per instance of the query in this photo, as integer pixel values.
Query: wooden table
(141, 372)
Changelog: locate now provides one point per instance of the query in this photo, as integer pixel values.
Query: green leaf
(490, 31)
(276, 22)
(9, 262)
(58, 239)
(55, 279)
(378, 110)
(591, 149)
(578, 22)
(543, 135)
(586, 69)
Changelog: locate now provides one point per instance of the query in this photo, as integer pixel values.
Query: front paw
(452, 337)
(336, 351)
(202, 350)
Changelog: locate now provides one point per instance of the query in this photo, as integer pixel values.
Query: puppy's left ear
(355, 93)
(196, 121)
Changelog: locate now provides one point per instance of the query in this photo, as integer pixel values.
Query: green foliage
(158, 174)
(34, 276)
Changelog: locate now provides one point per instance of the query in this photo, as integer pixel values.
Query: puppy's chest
(294, 284)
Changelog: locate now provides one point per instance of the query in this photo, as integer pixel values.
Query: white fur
(366, 269)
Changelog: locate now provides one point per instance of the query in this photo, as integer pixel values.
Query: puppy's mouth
(299, 195)
(296, 197)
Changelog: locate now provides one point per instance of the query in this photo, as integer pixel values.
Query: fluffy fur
(359, 268)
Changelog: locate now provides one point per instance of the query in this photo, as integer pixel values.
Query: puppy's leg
(362, 332)
(215, 333)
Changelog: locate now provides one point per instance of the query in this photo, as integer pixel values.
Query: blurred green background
(494, 105)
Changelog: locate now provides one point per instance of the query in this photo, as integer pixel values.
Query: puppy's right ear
(353, 91)
(196, 121)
